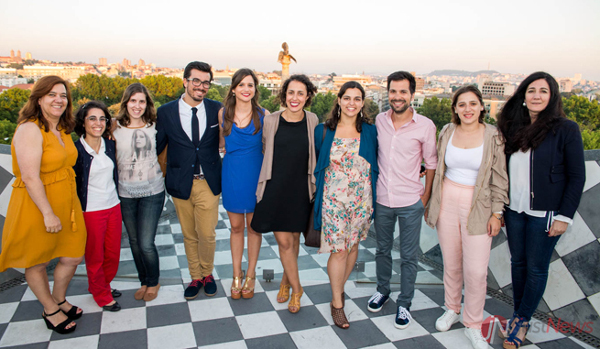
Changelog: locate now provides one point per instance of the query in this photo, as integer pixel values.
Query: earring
(339, 113)
(360, 114)
(233, 93)
(524, 104)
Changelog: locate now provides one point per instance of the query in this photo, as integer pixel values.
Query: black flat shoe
(72, 313)
(113, 307)
(115, 293)
(60, 328)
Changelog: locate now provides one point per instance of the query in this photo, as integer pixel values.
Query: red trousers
(102, 251)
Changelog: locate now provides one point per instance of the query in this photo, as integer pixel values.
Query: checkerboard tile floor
(220, 322)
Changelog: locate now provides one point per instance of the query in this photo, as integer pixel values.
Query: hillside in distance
(451, 72)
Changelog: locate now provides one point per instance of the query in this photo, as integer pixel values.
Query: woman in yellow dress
(44, 219)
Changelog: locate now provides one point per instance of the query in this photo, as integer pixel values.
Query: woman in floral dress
(346, 175)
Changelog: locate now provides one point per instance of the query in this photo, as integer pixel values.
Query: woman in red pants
(97, 183)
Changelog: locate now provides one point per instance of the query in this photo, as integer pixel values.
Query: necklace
(239, 121)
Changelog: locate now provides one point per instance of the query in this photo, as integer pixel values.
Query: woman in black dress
(286, 183)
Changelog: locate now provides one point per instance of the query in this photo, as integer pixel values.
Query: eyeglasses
(95, 118)
(198, 82)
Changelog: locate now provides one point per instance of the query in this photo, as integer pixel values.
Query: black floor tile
(216, 331)
(13, 294)
(258, 304)
(124, 340)
(307, 318)
(271, 342)
(367, 334)
(423, 342)
(168, 314)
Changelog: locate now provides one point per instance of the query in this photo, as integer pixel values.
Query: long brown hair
(32, 111)
(229, 101)
(334, 117)
(149, 116)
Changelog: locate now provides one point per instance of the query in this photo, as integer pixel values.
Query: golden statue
(284, 56)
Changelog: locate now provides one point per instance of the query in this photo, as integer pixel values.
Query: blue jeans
(140, 216)
(530, 252)
(409, 220)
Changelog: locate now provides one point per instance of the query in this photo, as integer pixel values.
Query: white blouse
(519, 174)
(462, 165)
(101, 189)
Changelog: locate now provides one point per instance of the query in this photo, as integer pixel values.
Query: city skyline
(512, 37)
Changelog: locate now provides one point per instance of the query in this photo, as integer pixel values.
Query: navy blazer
(84, 164)
(182, 154)
(557, 173)
(367, 149)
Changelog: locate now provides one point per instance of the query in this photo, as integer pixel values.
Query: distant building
(141, 63)
(24, 86)
(12, 81)
(103, 61)
(126, 63)
(8, 73)
(273, 85)
(492, 88)
(3, 88)
(28, 56)
(493, 106)
(67, 72)
(566, 85)
(338, 81)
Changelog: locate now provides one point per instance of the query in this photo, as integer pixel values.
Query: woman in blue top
(241, 121)
(346, 174)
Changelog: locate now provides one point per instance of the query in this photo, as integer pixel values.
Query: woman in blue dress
(241, 121)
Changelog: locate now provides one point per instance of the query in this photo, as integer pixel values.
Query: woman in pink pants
(469, 192)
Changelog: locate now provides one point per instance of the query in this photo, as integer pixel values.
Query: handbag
(312, 237)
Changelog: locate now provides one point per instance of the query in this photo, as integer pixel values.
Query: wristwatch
(497, 215)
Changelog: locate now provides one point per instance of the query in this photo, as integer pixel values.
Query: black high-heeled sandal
(60, 328)
(72, 313)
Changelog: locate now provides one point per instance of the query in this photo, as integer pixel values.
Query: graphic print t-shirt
(139, 172)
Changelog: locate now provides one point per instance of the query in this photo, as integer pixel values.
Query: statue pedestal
(285, 69)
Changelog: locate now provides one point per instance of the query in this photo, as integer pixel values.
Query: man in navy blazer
(190, 128)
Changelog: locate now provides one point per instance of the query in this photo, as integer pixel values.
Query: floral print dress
(347, 197)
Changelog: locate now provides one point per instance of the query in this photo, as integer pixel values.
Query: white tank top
(462, 165)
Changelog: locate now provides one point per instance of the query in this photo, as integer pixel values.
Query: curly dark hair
(334, 117)
(514, 121)
(311, 89)
(82, 113)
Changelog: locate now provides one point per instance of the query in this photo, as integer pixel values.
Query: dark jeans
(530, 252)
(409, 220)
(140, 216)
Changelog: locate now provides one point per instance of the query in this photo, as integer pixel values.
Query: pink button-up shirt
(400, 155)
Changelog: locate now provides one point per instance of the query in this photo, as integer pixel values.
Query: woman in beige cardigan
(286, 184)
(469, 192)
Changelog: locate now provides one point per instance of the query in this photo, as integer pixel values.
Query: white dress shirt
(102, 192)
(185, 115)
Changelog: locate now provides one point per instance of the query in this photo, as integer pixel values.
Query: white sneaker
(476, 338)
(446, 321)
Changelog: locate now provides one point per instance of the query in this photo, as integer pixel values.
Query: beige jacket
(271, 123)
(491, 186)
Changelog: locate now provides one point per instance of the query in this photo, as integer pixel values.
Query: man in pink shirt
(405, 139)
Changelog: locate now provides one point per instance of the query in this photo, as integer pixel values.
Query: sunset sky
(346, 37)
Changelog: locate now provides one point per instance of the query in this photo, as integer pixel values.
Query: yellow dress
(25, 242)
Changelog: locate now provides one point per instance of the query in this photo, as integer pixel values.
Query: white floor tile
(125, 285)
(302, 252)
(321, 258)
(169, 294)
(173, 336)
(382, 346)
(29, 296)
(595, 301)
(228, 345)
(260, 324)
(577, 235)
(222, 258)
(180, 249)
(592, 174)
(500, 264)
(453, 338)
(163, 239)
(168, 263)
(539, 332)
(562, 289)
(86, 302)
(358, 290)
(210, 309)
(386, 325)
(176, 228)
(321, 337)
(427, 278)
(7, 310)
(126, 254)
(222, 234)
(274, 264)
(86, 342)
(25, 332)
(313, 274)
(123, 320)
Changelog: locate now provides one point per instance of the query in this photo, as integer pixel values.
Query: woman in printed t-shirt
(141, 184)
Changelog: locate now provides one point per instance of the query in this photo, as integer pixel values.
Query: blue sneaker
(376, 302)
(402, 318)
(210, 286)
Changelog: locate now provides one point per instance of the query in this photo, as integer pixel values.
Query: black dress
(285, 205)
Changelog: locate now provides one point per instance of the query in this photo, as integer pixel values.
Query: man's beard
(401, 109)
